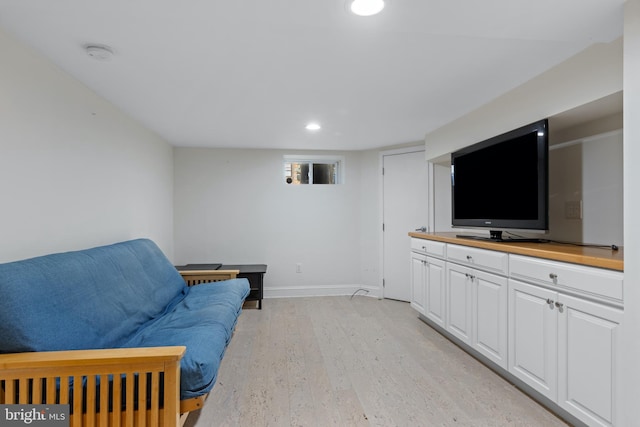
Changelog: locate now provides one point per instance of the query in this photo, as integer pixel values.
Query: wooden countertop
(593, 257)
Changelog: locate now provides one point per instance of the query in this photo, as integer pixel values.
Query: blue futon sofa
(120, 320)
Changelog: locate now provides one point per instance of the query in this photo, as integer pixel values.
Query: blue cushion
(94, 298)
(203, 322)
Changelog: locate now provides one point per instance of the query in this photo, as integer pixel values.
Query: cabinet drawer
(583, 280)
(483, 259)
(430, 247)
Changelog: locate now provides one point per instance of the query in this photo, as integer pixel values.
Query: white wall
(75, 172)
(442, 197)
(629, 370)
(233, 206)
(590, 75)
(370, 220)
(589, 171)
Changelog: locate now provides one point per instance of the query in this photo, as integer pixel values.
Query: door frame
(430, 215)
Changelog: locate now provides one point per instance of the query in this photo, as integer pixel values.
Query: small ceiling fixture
(99, 52)
(312, 126)
(367, 7)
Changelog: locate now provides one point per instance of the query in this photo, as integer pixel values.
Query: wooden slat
(77, 401)
(91, 401)
(171, 394)
(104, 400)
(51, 390)
(142, 399)
(23, 389)
(129, 399)
(36, 391)
(117, 399)
(11, 391)
(64, 390)
(155, 399)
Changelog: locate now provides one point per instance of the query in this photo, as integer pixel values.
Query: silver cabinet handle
(560, 306)
(553, 276)
(469, 258)
(550, 302)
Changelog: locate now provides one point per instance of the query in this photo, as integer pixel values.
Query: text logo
(34, 415)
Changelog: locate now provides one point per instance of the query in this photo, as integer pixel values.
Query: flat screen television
(502, 182)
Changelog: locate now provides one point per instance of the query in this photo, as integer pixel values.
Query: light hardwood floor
(337, 361)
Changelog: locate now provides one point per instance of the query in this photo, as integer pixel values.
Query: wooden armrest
(76, 358)
(195, 277)
(106, 376)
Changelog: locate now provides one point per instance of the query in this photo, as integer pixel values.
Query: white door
(405, 207)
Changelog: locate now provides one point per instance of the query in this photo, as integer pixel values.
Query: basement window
(313, 170)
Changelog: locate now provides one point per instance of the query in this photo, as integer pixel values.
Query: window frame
(339, 161)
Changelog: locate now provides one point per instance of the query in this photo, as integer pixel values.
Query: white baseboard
(320, 291)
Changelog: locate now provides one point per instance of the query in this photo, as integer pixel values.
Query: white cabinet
(458, 313)
(435, 290)
(428, 280)
(550, 324)
(587, 352)
(565, 348)
(489, 321)
(533, 337)
(418, 281)
(477, 301)
(481, 259)
(586, 282)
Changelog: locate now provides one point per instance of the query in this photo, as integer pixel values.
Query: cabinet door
(418, 281)
(435, 291)
(533, 337)
(490, 299)
(459, 299)
(587, 351)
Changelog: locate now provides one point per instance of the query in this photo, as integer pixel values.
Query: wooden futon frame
(145, 380)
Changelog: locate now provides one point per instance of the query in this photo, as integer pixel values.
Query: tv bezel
(539, 224)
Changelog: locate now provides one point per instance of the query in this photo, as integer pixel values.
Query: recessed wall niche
(585, 176)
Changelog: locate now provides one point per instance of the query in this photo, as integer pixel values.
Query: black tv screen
(502, 182)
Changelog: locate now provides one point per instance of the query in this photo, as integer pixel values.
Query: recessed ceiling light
(367, 7)
(99, 52)
(312, 126)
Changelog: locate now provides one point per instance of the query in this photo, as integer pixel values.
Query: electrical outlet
(299, 267)
(573, 209)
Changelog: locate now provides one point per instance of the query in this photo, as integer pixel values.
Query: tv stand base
(496, 236)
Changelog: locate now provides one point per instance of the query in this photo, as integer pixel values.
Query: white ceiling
(252, 73)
